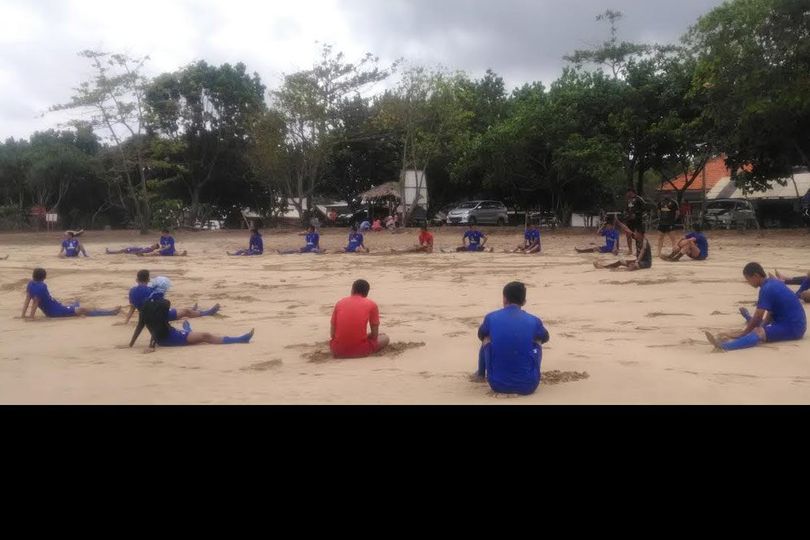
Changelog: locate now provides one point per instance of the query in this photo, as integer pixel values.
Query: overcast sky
(522, 40)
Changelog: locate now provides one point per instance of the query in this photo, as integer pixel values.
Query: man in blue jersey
(166, 247)
(38, 296)
(255, 246)
(694, 245)
(511, 349)
(531, 241)
(643, 260)
(779, 316)
(474, 240)
(71, 247)
(356, 242)
(141, 292)
(611, 234)
(313, 244)
(155, 315)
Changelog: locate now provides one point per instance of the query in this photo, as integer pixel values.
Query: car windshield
(722, 205)
(467, 205)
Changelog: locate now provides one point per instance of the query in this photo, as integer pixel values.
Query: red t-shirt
(425, 238)
(350, 318)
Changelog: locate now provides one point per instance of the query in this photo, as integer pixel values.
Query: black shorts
(635, 225)
(665, 228)
(644, 265)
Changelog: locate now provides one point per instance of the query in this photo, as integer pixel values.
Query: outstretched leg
(196, 338)
(186, 313)
(91, 312)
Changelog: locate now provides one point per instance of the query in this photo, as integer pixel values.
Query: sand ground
(636, 335)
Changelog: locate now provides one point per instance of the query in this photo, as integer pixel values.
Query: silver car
(476, 212)
(728, 213)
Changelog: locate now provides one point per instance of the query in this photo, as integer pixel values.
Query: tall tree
(754, 71)
(206, 113)
(310, 102)
(114, 99)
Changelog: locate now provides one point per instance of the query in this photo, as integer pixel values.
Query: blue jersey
(38, 290)
(166, 245)
(611, 238)
(256, 243)
(138, 295)
(355, 241)
(71, 247)
(783, 305)
(532, 236)
(702, 243)
(313, 239)
(474, 237)
(516, 353)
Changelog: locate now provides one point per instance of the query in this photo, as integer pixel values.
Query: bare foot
(779, 276)
(713, 340)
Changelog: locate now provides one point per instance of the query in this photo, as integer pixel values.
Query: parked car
(730, 213)
(544, 219)
(440, 217)
(475, 212)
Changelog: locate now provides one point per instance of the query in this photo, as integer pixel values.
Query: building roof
(714, 172)
(726, 189)
(389, 189)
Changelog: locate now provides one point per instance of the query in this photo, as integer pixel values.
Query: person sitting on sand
(611, 234)
(802, 281)
(644, 259)
(694, 244)
(356, 242)
(377, 225)
(155, 316)
(143, 289)
(531, 241)
(425, 244)
(512, 346)
(133, 250)
(38, 296)
(255, 246)
(365, 226)
(313, 240)
(166, 245)
(350, 318)
(71, 247)
(779, 315)
(472, 240)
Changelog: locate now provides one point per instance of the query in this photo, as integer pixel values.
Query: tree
(114, 100)
(425, 112)
(754, 73)
(205, 114)
(310, 103)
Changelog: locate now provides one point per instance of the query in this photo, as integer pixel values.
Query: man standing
(634, 217)
(667, 215)
(350, 319)
(511, 349)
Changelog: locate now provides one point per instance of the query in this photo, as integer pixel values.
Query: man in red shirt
(349, 321)
(425, 244)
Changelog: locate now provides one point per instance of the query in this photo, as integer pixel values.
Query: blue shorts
(475, 247)
(56, 311)
(700, 257)
(605, 249)
(71, 255)
(176, 338)
(167, 253)
(309, 249)
(784, 332)
(351, 249)
(172, 314)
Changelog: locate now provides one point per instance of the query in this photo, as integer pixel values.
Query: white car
(475, 212)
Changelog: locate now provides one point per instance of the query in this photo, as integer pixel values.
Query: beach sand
(616, 337)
